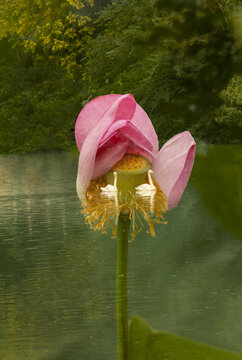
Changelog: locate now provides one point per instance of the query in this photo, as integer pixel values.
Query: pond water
(57, 276)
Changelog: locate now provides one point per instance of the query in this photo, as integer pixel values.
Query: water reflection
(218, 175)
(57, 277)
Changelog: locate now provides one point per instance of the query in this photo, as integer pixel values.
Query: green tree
(230, 112)
(174, 56)
(53, 29)
(38, 103)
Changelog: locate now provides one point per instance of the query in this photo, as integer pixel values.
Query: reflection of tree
(190, 273)
(185, 280)
(54, 292)
(47, 266)
(218, 175)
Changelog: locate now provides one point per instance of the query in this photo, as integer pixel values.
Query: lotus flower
(110, 126)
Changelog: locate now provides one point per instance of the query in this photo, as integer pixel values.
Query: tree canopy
(175, 57)
(52, 29)
(179, 58)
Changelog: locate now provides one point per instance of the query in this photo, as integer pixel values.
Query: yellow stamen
(100, 211)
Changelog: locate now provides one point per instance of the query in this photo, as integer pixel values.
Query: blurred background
(179, 58)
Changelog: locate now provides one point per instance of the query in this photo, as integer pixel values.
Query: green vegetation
(146, 344)
(37, 104)
(180, 59)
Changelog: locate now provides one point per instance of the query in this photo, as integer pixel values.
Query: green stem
(122, 298)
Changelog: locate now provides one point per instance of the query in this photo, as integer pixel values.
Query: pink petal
(117, 125)
(108, 157)
(125, 129)
(90, 116)
(123, 108)
(142, 121)
(139, 138)
(173, 165)
(95, 110)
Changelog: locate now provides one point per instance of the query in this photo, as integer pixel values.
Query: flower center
(132, 163)
(132, 171)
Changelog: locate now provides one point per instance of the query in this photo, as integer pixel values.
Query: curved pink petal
(173, 165)
(133, 133)
(126, 129)
(142, 121)
(90, 115)
(123, 108)
(95, 110)
(111, 132)
(109, 157)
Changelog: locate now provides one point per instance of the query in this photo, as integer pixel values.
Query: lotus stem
(122, 298)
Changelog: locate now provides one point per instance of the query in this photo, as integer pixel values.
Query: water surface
(57, 277)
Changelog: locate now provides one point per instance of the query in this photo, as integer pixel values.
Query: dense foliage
(176, 59)
(180, 59)
(51, 29)
(37, 104)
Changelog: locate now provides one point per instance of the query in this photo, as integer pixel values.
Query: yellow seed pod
(132, 171)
